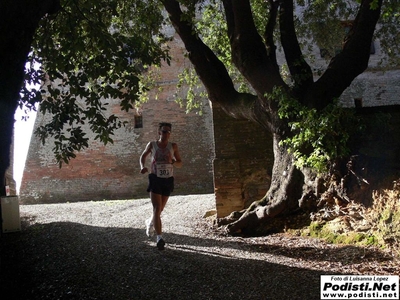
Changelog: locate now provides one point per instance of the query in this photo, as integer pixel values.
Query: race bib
(165, 170)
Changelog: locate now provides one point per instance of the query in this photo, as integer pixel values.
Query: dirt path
(98, 250)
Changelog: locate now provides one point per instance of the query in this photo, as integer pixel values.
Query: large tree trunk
(289, 185)
(373, 164)
(255, 58)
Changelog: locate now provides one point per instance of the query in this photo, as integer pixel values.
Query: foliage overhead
(85, 55)
(91, 51)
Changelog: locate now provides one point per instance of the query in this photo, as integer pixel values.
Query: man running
(164, 157)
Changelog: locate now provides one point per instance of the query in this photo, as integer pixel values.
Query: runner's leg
(158, 206)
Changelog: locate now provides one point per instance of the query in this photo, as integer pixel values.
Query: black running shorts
(162, 186)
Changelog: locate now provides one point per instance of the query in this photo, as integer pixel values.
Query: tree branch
(299, 69)
(269, 31)
(248, 50)
(209, 68)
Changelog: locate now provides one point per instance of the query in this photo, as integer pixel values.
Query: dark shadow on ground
(75, 261)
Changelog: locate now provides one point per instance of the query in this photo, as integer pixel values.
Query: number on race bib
(165, 170)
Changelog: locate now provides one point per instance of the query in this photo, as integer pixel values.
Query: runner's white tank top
(161, 160)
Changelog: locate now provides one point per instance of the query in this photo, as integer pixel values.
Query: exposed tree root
(258, 213)
(285, 196)
(275, 203)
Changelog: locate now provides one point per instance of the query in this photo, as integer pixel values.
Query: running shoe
(149, 227)
(160, 244)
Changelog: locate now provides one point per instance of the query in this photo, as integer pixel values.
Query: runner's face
(165, 132)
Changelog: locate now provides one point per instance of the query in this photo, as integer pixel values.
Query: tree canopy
(82, 56)
(89, 52)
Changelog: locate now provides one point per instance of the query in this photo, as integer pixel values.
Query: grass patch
(378, 225)
(330, 234)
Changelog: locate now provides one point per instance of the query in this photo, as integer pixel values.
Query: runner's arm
(178, 161)
(143, 157)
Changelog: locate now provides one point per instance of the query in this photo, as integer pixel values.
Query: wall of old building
(243, 162)
(112, 171)
(379, 85)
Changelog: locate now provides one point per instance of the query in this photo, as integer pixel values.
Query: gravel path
(99, 250)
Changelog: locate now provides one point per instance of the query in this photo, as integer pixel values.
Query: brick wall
(243, 162)
(112, 171)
